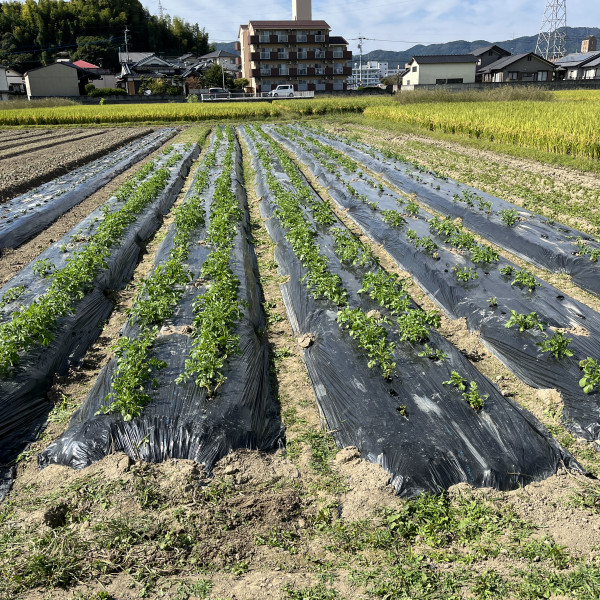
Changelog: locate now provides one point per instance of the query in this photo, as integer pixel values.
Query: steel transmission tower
(552, 39)
(161, 11)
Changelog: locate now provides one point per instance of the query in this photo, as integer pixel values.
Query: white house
(3, 83)
(16, 81)
(439, 69)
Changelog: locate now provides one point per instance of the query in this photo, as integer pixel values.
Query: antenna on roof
(552, 39)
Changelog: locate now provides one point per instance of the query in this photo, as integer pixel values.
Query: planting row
(541, 241)
(385, 380)
(24, 216)
(190, 376)
(543, 336)
(51, 311)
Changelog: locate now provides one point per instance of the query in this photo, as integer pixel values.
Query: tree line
(33, 33)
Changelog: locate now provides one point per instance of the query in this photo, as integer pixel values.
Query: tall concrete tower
(552, 39)
(301, 10)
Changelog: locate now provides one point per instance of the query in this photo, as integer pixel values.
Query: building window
(529, 58)
(265, 54)
(263, 38)
(282, 37)
(282, 53)
(513, 75)
(456, 80)
(302, 55)
(301, 36)
(490, 53)
(319, 37)
(338, 53)
(441, 81)
(414, 69)
(542, 76)
(302, 70)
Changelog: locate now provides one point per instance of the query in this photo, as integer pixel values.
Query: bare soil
(13, 260)
(51, 153)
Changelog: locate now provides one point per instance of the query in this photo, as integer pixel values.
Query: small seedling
(557, 345)
(464, 273)
(524, 321)
(393, 218)
(591, 375)
(457, 380)
(493, 301)
(509, 216)
(43, 268)
(473, 397)
(432, 353)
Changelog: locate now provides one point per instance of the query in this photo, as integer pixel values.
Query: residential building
(591, 69)
(16, 81)
(439, 69)
(300, 52)
(575, 65)
(62, 79)
(369, 74)
(137, 66)
(518, 67)
(589, 44)
(229, 62)
(487, 55)
(3, 83)
(106, 78)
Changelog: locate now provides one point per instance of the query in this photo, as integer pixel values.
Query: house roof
(81, 71)
(485, 49)
(219, 54)
(502, 63)
(85, 65)
(436, 59)
(576, 59)
(595, 62)
(337, 40)
(289, 25)
(134, 57)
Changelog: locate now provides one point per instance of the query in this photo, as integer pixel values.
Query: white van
(282, 90)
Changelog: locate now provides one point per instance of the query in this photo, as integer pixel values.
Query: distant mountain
(227, 46)
(517, 46)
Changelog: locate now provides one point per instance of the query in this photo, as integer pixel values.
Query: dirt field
(308, 521)
(30, 158)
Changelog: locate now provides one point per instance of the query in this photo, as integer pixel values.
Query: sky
(390, 25)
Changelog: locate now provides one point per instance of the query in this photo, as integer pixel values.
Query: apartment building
(369, 74)
(300, 52)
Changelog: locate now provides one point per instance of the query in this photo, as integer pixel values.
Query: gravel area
(19, 174)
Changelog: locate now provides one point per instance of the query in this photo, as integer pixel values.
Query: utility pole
(360, 49)
(552, 39)
(126, 44)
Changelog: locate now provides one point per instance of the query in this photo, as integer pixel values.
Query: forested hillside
(32, 33)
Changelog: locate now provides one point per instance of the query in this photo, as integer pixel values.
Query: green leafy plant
(524, 321)
(509, 217)
(473, 397)
(481, 253)
(432, 353)
(412, 208)
(385, 288)
(350, 250)
(393, 218)
(414, 324)
(43, 268)
(465, 273)
(11, 295)
(371, 336)
(591, 375)
(584, 249)
(557, 345)
(493, 301)
(457, 380)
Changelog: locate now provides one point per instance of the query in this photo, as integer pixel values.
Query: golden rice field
(566, 123)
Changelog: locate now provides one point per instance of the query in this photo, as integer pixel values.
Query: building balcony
(253, 40)
(292, 56)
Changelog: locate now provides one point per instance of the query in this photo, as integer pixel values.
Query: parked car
(282, 90)
(218, 93)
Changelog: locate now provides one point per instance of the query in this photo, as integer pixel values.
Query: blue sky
(403, 23)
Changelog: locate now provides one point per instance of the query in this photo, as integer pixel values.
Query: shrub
(102, 92)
